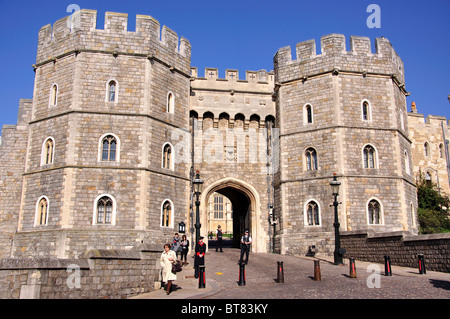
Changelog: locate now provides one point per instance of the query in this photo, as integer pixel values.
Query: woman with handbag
(168, 257)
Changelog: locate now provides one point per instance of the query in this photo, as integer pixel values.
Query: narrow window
(428, 178)
(104, 210)
(42, 211)
(366, 111)
(48, 151)
(407, 167)
(167, 157)
(109, 148)
(441, 150)
(369, 157)
(308, 114)
(112, 91)
(426, 149)
(311, 159)
(312, 213)
(166, 214)
(54, 95)
(170, 103)
(374, 212)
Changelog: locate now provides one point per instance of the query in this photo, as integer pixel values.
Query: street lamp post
(338, 252)
(198, 184)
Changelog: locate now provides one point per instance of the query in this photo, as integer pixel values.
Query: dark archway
(241, 212)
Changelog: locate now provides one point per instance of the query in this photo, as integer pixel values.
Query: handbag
(176, 267)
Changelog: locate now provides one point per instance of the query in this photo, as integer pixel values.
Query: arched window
(426, 149)
(311, 159)
(104, 210)
(366, 111)
(48, 151)
(112, 89)
(312, 213)
(54, 95)
(166, 214)
(41, 211)
(308, 114)
(109, 147)
(374, 212)
(167, 156)
(428, 179)
(170, 103)
(441, 150)
(369, 157)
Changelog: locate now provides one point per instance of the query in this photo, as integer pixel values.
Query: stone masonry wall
(402, 247)
(96, 274)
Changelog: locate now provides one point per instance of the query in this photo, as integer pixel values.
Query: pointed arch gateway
(246, 210)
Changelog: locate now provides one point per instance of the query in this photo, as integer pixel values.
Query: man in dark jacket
(199, 259)
(246, 240)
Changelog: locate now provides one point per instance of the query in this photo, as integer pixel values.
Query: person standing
(199, 259)
(246, 240)
(168, 257)
(184, 249)
(176, 244)
(219, 239)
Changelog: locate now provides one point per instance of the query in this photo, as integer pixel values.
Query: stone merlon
(78, 33)
(334, 56)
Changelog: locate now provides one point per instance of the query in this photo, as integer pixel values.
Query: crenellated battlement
(78, 32)
(255, 81)
(335, 57)
(231, 75)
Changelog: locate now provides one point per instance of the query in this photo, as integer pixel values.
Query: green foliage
(433, 212)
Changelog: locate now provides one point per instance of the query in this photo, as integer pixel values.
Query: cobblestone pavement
(222, 274)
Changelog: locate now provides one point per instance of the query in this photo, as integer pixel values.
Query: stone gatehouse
(103, 155)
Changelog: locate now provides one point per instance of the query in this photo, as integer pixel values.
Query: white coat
(166, 265)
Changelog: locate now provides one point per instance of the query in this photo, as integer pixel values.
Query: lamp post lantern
(198, 185)
(338, 252)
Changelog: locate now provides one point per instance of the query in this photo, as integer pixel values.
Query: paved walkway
(222, 272)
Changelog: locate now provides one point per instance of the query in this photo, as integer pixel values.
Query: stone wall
(402, 247)
(98, 274)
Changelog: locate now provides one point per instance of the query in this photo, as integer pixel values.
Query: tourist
(168, 257)
(184, 249)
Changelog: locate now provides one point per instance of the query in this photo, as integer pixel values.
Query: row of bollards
(317, 274)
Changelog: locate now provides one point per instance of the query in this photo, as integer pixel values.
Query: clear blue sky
(245, 34)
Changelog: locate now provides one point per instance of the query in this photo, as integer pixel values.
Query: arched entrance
(246, 210)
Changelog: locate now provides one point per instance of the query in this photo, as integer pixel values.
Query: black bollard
(241, 274)
(352, 267)
(280, 272)
(201, 277)
(422, 269)
(387, 266)
(317, 276)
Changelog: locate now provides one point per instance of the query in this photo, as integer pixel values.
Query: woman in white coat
(167, 258)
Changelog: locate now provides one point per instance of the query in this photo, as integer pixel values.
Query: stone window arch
(311, 159)
(167, 210)
(104, 210)
(170, 108)
(308, 115)
(312, 213)
(53, 95)
(167, 156)
(374, 212)
(109, 148)
(370, 157)
(112, 91)
(366, 110)
(48, 151)
(41, 215)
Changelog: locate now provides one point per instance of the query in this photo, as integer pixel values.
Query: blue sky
(245, 35)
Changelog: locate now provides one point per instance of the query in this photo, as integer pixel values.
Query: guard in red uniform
(199, 259)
